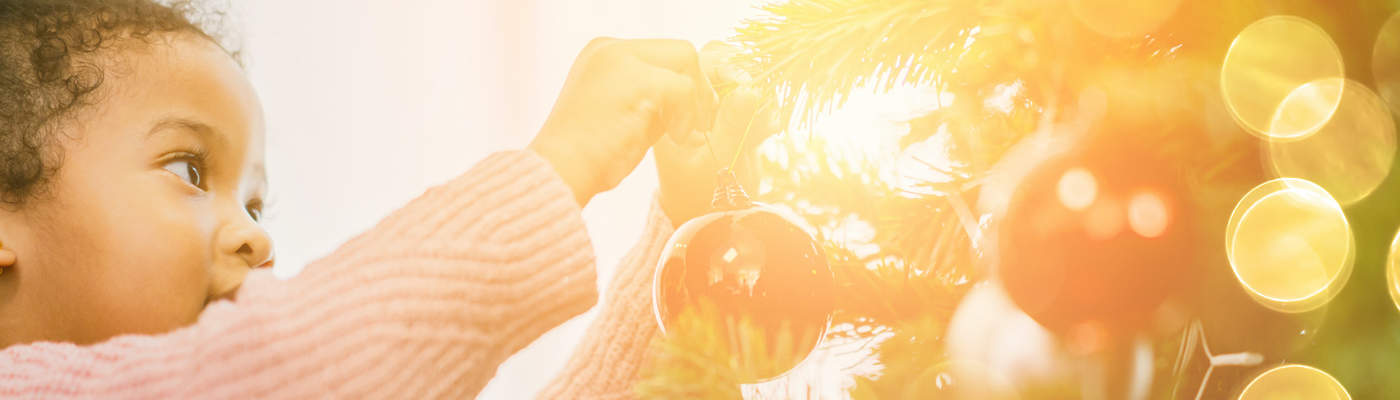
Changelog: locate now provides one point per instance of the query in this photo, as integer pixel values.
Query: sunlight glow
(1004, 97)
(1267, 62)
(865, 132)
(1121, 19)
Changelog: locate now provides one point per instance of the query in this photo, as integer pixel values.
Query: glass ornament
(754, 276)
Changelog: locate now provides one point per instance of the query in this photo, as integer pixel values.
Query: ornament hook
(729, 195)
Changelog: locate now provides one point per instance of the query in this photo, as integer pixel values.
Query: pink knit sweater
(424, 305)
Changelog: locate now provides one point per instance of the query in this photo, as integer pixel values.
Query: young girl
(132, 263)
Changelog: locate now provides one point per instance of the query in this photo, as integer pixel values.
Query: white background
(370, 102)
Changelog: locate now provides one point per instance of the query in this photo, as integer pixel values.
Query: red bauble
(753, 275)
(1097, 239)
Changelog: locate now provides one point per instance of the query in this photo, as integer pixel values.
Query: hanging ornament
(753, 275)
(1094, 241)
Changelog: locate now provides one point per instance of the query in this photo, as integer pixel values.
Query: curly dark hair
(47, 71)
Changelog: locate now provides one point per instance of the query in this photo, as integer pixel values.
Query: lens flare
(1294, 381)
(1351, 154)
(1290, 245)
(1121, 19)
(1385, 63)
(1267, 62)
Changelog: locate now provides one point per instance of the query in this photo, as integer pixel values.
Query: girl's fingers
(682, 74)
(676, 116)
(742, 109)
(716, 59)
(678, 56)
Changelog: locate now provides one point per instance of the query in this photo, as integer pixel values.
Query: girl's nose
(252, 248)
(256, 259)
(248, 241)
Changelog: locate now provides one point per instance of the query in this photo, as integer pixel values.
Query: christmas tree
(1081, 199)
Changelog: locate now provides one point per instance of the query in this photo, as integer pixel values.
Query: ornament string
(713, 158)
(743, 138)
(723, 90)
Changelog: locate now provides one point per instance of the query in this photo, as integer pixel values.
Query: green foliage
(1162, 88)
(691, 362)
(709, 353)
(817, 51)
(908, 372)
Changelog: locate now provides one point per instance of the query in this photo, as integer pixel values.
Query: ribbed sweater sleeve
(426, 304)
(608, 361)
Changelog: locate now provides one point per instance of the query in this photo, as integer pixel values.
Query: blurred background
(369, 103)
(919, 165)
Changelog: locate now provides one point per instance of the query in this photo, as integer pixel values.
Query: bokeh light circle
(1392, 270)
(1077, 189)
(1148, 214)
(1294, 381)
(1385, 62)
(1351, 154)
(1290, 245)
(1121, 19)
(1266, 63)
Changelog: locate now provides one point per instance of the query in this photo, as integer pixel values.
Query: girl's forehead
(186, 83)
(193, 72)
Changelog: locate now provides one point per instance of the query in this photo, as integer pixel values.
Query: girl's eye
(187, 170)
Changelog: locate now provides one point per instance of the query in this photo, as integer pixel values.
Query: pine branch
(811, 53)
(913, 361)
(707, 353)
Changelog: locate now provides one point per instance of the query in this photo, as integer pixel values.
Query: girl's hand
(687, 168)
(619, 98)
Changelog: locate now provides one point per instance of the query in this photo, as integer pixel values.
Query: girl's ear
(7, 257)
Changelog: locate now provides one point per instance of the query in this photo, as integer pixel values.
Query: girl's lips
(232, 294)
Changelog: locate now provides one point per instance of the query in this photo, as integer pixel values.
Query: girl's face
(154, 211)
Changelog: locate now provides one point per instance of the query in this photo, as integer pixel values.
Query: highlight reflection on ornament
(747, 265)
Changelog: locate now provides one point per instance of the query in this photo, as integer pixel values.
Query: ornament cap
(729, 195)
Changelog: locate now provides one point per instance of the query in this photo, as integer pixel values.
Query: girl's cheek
(165, 276)
(138, 271)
